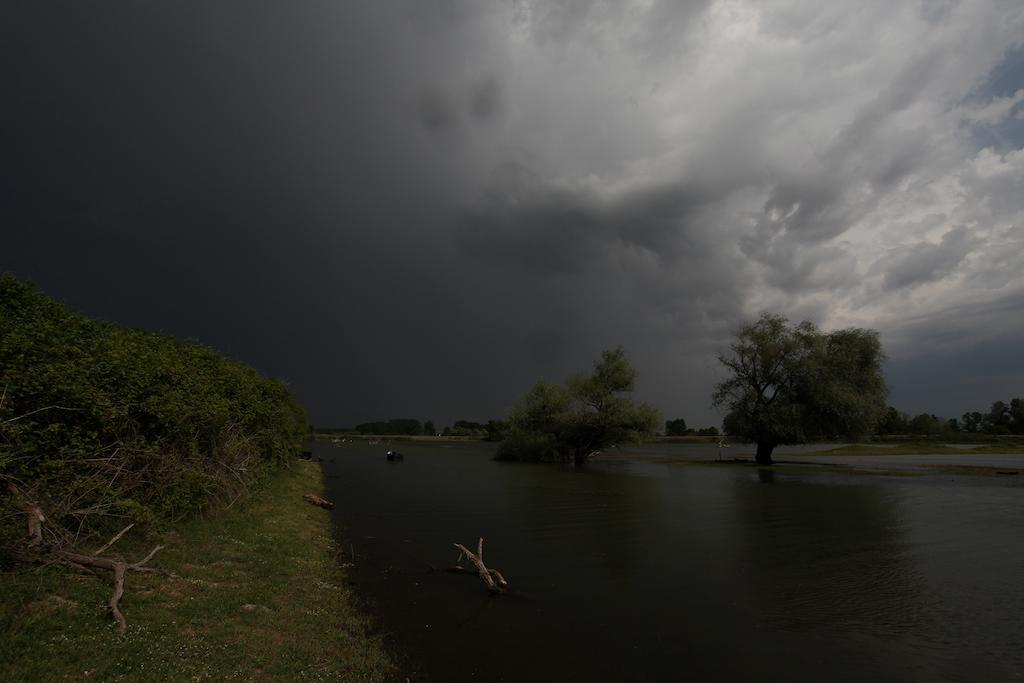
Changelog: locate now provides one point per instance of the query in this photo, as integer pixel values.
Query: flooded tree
(571, 422)
(792, 384)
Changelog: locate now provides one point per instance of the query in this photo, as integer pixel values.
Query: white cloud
(825, 136)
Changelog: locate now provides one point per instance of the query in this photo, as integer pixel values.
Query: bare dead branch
(82, 568)
(114, 540)
(116, 597)
(38, 410)
(35, 525)
(92, 562)
(499, 579)
(119, 568)
(147, 558)
(492, 578)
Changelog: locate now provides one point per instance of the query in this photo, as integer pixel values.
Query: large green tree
(792, 384)
(571, 422)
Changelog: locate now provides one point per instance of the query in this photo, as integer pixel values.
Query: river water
(635, 570)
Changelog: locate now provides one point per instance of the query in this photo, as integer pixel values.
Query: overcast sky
(417, 209)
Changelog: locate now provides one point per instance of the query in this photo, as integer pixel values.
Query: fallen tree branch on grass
(90, 563)
(492, 578)
(119, 568)
(314, 499)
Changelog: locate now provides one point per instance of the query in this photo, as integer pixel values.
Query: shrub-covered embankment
(102, 425)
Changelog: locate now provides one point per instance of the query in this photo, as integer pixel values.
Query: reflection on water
(845, 565)
(635, 570)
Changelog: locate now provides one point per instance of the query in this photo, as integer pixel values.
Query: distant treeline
(678, 427)
(102, 423)
(492, 430)
(1001, 419)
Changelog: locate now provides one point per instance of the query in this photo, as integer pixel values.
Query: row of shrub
(100, 424)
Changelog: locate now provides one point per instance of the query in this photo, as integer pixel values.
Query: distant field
(896, 445)
(922, 448)
(390, 437)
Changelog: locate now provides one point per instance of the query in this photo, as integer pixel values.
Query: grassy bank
(261, 595)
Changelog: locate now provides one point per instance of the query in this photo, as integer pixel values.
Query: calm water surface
(633, 570)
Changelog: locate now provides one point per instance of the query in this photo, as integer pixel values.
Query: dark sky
(419, 208)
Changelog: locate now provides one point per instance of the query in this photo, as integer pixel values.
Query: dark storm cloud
(485, 98)
(558, 236)
(977, 347)
(439, 111)
(436, 110)
(656, 247)
(926, 262)
(419, 208)
(552, 230)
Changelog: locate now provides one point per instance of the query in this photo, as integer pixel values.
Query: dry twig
(114, 540)
(38, 410)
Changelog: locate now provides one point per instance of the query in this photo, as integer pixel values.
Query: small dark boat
(394, 455)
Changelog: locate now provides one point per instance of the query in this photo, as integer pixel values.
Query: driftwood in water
(492, 578)
(314, 499)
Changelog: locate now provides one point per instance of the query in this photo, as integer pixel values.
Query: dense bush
(99, 422)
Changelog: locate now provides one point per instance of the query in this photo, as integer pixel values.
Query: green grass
(261, 595)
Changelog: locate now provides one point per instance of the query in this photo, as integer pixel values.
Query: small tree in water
(571, 422)
(791, 385)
